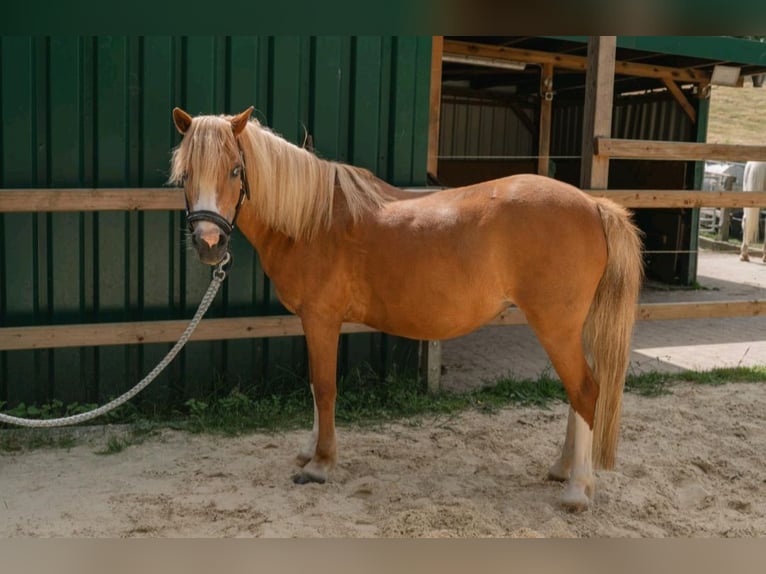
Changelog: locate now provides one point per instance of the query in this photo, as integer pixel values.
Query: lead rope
(219, 274)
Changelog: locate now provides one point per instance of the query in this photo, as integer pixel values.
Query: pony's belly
(435, 322)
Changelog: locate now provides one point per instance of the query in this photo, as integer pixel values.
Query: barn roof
(695, 56)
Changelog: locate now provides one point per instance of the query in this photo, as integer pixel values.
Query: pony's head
(210, 166)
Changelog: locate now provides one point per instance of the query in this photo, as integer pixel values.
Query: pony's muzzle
(211, 244)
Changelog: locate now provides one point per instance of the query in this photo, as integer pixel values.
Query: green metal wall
(95, 112)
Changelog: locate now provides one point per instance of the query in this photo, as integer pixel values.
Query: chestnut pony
(341, 245)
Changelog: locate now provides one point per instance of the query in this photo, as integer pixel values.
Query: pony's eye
(236, 171)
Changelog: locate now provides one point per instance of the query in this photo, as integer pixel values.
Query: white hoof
(575, 501)
(577, 497)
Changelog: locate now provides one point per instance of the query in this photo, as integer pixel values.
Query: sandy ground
(690, 464)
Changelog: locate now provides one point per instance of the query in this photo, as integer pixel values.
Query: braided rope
(219, 274)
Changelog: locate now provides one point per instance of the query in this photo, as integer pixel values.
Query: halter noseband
(217, 218)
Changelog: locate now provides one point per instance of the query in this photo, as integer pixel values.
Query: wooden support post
(597, 115)
(435, 104)
(431, 364)
(546, 113)
(431, 351)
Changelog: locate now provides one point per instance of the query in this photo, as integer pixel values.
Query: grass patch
(34, 439)
(114, 445)
(723, 376)
(363, 400)
(652, 384)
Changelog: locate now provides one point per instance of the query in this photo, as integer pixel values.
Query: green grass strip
(363, 400)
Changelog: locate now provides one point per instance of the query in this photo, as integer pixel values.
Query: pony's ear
(239, 121)
(182, 120)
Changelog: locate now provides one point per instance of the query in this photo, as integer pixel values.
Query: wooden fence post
(430, 352)
(597, 112)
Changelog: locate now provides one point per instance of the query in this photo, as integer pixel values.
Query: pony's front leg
(320, 453)
(307, 452)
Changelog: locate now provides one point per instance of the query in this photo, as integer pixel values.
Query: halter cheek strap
(217, 218)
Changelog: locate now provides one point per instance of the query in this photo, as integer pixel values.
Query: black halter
(218, 219)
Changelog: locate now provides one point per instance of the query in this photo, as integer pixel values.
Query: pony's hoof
(744, 258)
(312, 472)
(306, 478)
(577, 496)
(575, 501)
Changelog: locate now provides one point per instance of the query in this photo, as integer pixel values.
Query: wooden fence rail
(158, 199)
(164, 199)
(141, 332)
(118, 199)
(669, 150)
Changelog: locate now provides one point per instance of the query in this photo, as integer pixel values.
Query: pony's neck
(296, 192)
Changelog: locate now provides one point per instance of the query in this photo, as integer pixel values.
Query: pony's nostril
(222, 240)
(209, 239)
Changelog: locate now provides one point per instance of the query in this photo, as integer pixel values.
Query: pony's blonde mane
(291, 189)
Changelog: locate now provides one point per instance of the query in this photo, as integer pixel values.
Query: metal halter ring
(223, 266)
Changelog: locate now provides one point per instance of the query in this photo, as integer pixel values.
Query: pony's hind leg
(563, 343)
(744, 254)
(562, 468)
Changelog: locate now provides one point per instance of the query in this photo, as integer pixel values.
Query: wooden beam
(700, 310)
(681, 99)
(572, 62)
(546, 113)
(652, 198)
(687, 151)
(597, 111)
(143, 332)
(521, 114)
(124, 199)
(435, 104)
(667, 311)
(159, 332)
(86, 200)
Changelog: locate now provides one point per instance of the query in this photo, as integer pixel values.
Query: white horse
(754, 180)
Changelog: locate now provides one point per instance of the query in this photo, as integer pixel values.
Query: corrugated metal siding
(475, 127)
(642, 117)
(95, 112)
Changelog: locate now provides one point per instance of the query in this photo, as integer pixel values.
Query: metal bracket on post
(431, 364)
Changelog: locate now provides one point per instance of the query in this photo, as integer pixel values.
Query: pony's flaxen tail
(609, 326)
